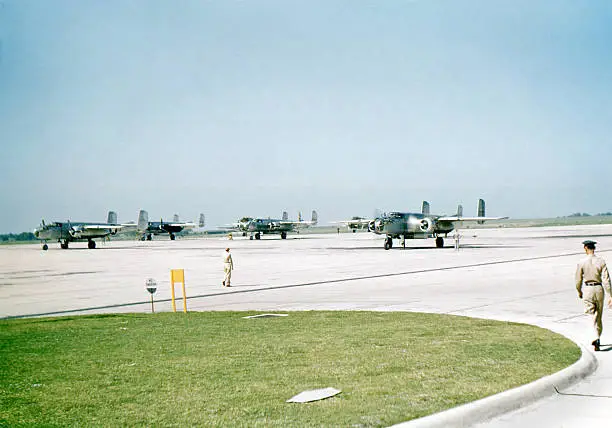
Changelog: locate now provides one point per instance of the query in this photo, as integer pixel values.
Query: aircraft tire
(149, 238)
(257, 236)
(283, 235)
(439, 242)
(172, 237)
(91, 245)
(251, 237)
(388, 243)
(45, 247)
(64, 245)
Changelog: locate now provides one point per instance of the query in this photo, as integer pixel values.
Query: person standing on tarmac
(591, 277)
(228, 267)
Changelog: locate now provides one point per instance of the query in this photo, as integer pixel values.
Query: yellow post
(178, 275)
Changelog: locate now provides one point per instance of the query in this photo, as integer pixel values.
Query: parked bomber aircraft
(422, 225)
(65, 232)
(150, 228)
(258, 226)
(355, 223)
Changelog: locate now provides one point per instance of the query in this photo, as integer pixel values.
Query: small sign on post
(151, 286)
(178, 275)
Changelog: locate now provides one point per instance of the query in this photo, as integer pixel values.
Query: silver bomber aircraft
(396, 225)
(149, 228)
(65, 232)
(258, 226)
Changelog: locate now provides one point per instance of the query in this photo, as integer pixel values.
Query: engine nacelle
(426, 225)
(75, 232)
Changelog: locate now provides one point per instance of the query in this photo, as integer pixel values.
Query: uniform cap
(588, 242)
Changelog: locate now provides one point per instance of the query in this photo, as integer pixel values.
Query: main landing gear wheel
(45, 247)
(149, 238)
(251, 237)
(439, 242)
(64, 245)
(388, 243)
(172, 237)
(257, 235)
(283, 235)
(91, 245)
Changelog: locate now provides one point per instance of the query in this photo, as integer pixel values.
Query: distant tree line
(589, 215)
(13, 237)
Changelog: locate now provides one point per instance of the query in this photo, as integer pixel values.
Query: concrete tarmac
(521, 275)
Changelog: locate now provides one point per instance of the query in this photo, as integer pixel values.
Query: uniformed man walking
(457, 237)
(591, 277)
(228, 267)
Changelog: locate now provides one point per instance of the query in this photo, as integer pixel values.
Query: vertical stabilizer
(459, 210)
(314, 218)
(481, 209)
(143, 220)
(112, 217)
(425, 208)
(202, 222)
(285, 216)
(175, 219)
(300, 216)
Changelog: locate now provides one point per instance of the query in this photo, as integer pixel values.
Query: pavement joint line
(581, 395)
(278, 287)
(518, 299)
(571, 317)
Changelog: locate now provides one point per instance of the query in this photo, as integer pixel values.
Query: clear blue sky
(255, 107)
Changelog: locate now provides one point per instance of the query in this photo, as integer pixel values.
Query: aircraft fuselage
(268, 225)
(157, 228)
(410, 225)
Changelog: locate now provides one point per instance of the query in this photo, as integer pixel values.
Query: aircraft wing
(100, 226)
(363, 221)
(181, 224)
(457, 218)
(302, 223)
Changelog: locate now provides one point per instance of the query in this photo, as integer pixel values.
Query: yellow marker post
(178, 275)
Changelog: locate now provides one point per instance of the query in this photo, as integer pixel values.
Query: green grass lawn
(218, 369)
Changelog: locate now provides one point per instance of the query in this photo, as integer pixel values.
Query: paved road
(522, 275)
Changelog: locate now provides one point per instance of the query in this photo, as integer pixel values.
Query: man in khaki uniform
(228, 267)
(591, 277)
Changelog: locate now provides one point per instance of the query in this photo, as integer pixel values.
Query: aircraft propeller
(426, 225)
